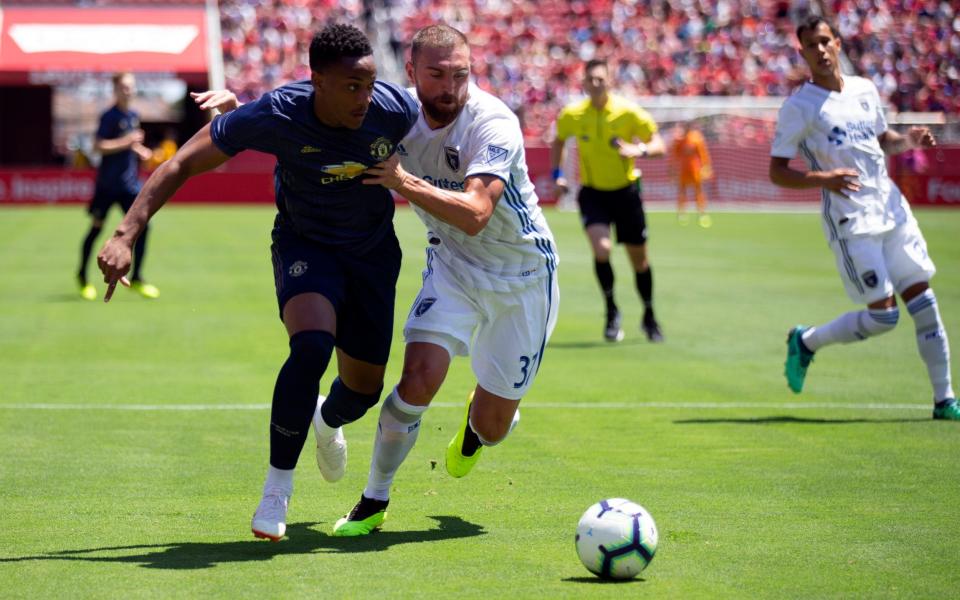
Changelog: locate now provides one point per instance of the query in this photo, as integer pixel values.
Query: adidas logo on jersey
(308, 149)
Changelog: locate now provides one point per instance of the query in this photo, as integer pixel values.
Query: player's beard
(443, 114)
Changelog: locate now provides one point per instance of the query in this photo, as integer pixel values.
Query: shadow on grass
(301, 539)
(798, 420)
(633, 341)
(74, 298)
(604, 581)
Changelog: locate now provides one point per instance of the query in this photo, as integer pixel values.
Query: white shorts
(505, 332)
(874, 267)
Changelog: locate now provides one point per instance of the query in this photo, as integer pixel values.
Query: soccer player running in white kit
(837, 123)
(489, 287)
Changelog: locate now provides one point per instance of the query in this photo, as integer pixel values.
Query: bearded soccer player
(836, 121)
(489, 287)
(335, 255)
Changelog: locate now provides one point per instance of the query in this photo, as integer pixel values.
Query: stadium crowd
(909, 48)
(529, 52)
(266, 42)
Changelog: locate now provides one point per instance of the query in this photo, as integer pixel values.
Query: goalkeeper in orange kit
(693, 168)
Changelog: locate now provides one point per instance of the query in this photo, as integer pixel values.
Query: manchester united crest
(381, 149)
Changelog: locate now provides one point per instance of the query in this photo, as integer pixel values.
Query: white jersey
(516, 248)
(836, 130)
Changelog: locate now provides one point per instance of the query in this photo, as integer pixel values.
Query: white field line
(526, 406)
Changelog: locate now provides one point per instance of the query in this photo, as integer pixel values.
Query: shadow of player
(796, 420)
(301, 539)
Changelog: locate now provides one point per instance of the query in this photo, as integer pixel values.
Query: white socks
(397, 432)
(279, 479)
(932, 343)
(321, 430)
(851, 327)
(931, 337)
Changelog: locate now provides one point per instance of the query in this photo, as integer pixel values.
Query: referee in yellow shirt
(611, 133)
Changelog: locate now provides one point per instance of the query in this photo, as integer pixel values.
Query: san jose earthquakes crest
(453, 157)
(423, 306)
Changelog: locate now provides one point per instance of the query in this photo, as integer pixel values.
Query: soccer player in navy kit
(335, 255)
(120, 142)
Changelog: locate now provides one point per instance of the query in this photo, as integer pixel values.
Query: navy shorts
(622, 207)
(361, 287)
(102, 201)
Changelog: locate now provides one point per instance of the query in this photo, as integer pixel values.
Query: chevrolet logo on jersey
(342, 172)
(348, 169)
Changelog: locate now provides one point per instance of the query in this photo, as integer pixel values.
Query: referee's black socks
(605, 277)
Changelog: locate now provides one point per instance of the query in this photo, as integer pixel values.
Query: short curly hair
(337, 41)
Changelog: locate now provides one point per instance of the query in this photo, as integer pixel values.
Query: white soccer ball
(616, 538)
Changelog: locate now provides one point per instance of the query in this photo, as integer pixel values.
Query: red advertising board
(61, 186)
(930, 177)
(63, 39)
(933, 179)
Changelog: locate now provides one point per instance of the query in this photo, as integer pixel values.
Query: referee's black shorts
(623, 208)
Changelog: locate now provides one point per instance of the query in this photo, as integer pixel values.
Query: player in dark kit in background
(120, 142)
(335, 255)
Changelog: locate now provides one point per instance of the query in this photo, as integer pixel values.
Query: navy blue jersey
(318, 189)
(118, 172)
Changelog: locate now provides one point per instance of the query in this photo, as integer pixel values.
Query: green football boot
(145, 289)
(459, 465)
(88, 292)
(798, 359)
(948, 410)
(366, 516)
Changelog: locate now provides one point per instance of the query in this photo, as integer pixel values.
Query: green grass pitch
(133, 435)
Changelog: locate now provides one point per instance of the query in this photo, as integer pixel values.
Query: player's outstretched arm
(468, 211)
(199, 154)
(841, 181)
(220, 100)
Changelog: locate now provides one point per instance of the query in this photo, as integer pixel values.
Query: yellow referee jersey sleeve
(601, 166)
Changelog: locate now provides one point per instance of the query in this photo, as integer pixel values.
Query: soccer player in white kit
(489, 287)
(837, 123)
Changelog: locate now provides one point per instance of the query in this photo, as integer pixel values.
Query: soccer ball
(616, 538)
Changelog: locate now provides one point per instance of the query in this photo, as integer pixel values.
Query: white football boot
(270, 519)
(331, 450)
